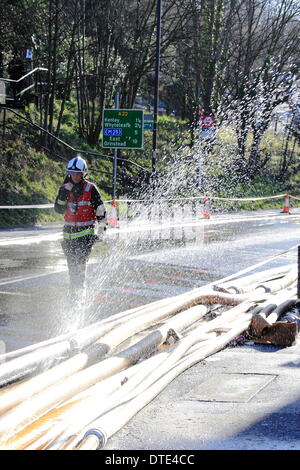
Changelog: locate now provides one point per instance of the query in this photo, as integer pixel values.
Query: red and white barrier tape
(28, 206)
(51, 206)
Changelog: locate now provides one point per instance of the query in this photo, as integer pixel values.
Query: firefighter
(85, 215)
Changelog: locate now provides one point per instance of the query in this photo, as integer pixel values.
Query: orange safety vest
(80, 213)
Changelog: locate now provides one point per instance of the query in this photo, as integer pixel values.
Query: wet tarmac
(132, 266)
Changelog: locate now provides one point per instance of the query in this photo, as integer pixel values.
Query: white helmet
(77, 165)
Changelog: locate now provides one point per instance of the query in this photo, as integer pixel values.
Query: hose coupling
(237, 290)
(267, 289)
(101, 435)
(172, 336)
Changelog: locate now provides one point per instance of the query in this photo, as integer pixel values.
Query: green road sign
(123, 128)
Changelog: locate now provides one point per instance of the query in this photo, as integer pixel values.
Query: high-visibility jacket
(79, 212)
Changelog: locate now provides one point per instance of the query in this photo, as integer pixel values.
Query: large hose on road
(22, 415)
(100, 430)
(88, 408)
(79, 385)
(249, 283)
(33, 363)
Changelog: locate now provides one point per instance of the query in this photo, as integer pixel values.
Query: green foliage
(27, 177)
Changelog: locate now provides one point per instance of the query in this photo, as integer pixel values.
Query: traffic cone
(286, 207)
(113, 219)
(206, 208)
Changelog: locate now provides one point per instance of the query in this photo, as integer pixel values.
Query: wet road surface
(134, 265)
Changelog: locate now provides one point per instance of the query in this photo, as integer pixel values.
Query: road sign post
(115, 165)
(157, 78)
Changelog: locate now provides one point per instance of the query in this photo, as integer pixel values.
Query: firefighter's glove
(65, 190)
(101, 213)
(68, 186)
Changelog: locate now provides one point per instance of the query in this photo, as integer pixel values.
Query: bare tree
(115, 52)
(54, 43)
(197, 57)
(258, 72)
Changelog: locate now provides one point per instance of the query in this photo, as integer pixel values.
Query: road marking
(28, 278)
(14, 293)
(28, 240)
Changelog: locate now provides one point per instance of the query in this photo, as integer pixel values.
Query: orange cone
(286, 207)
(113, 219)
(206, 209)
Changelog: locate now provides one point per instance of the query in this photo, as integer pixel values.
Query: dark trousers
(77, 252)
